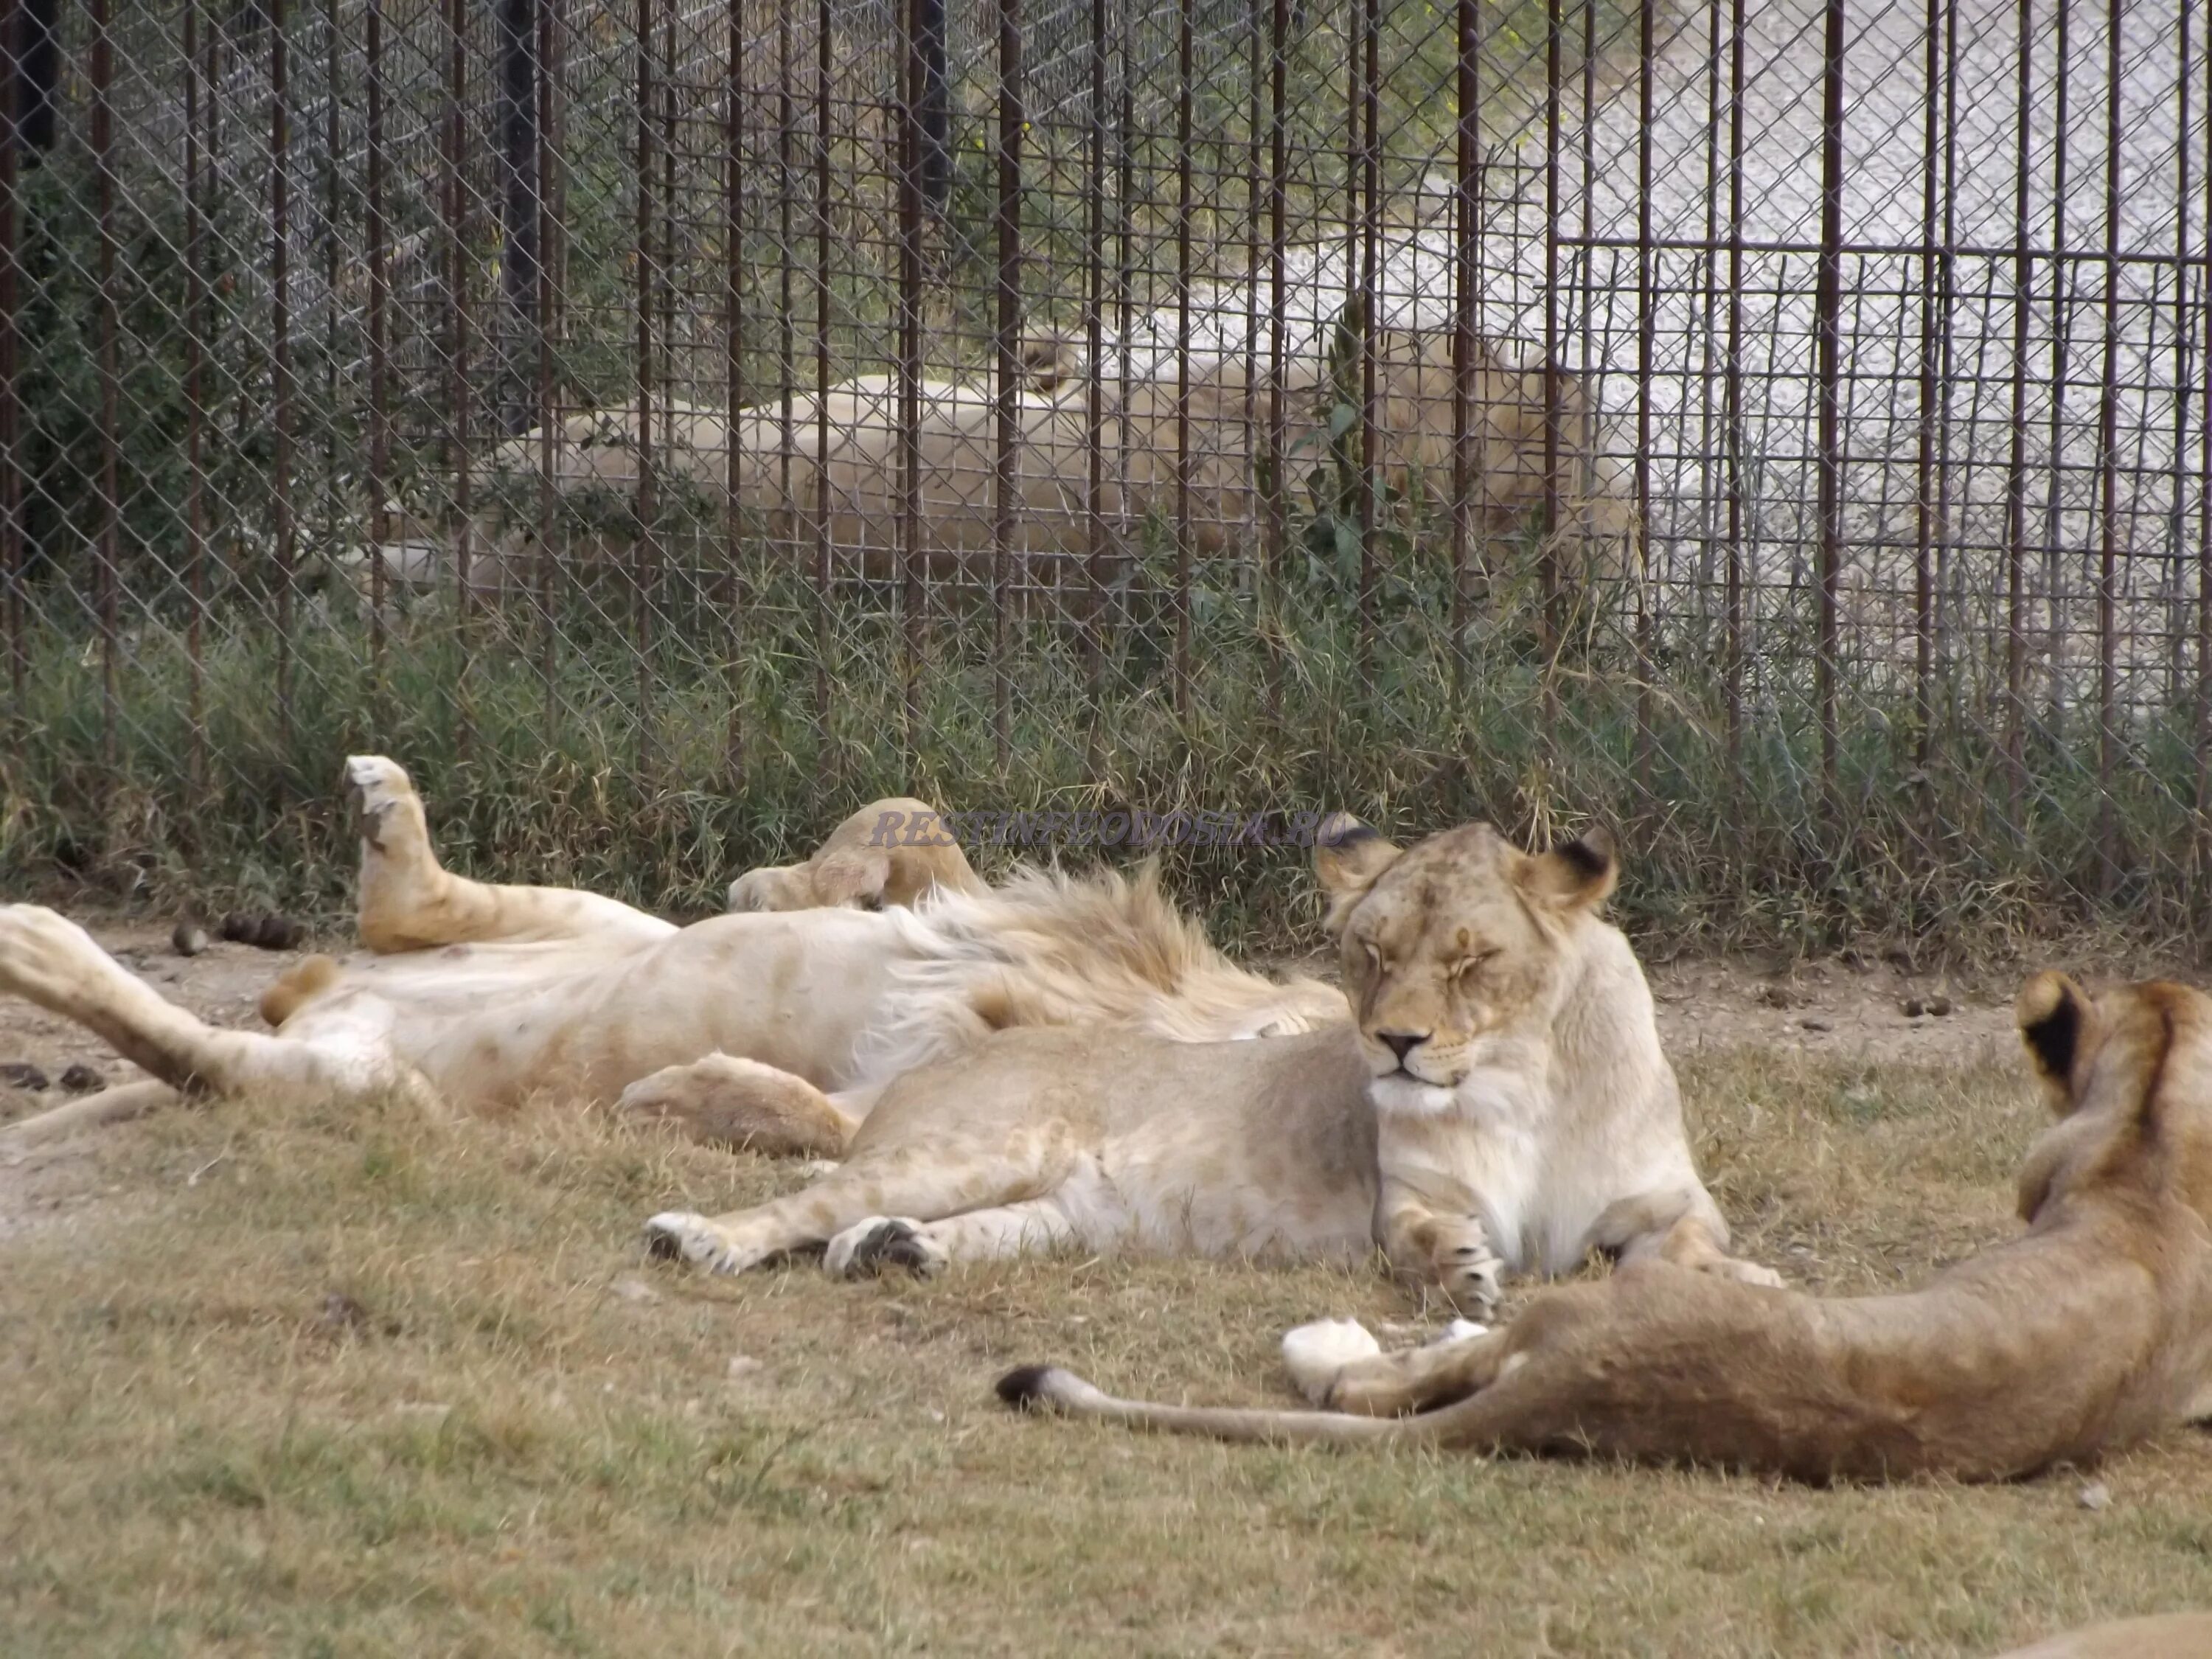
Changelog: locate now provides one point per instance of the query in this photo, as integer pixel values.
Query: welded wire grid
(1780, 430)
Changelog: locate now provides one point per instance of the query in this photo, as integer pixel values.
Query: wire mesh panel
(1779, 431)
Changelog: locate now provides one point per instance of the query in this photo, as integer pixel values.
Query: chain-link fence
(1780, 431)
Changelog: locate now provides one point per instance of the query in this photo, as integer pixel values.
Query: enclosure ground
(287, 1379)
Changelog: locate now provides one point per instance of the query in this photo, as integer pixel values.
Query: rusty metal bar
(1923, 631)
(786, 359)
(1094, 317)
(549, 264)
(2204, 523)
(198, 86)
(647, 561)
(912, 597)
(1370, 211)
(1647, 333)
(458, 462)
(1277, 443)
(329, 215)
(2108, 472)
(1827, 353)
(1549, 631)
(2204, 721)
(519, 70)
(2015, 724)
(1012, 121)
(111, 390)
(11, 476)
(666, 278)
(2062, 334)
(1732, 396)
(1467, 296)
(280, 353)
(379, 368)
(829, 768)
(733, 328)
(1945, 286)
(1253, 521)
(1185, 50)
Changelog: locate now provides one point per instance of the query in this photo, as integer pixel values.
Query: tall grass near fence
(658, 776)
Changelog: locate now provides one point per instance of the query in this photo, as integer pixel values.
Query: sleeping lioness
(2092, 1330)
(1500, 1102)
(477, 994)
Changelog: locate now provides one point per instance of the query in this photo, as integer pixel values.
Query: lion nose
(1402, 1043)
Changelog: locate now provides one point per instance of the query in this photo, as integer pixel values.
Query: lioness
(1522, 1113)
(1179, 434)
(2091, 1331)
(2161, 1636)
(491, 994)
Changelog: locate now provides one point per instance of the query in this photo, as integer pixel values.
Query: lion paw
(1747, 1273)
(867, 1247)
(1471, 1276)
(374, 786)
(679, 1234)
(1458, 1331)
(45, 957)
(1316, 1354)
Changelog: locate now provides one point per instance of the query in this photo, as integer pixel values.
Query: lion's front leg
(898, 1194)
(1426, 1245)
(729, 1101)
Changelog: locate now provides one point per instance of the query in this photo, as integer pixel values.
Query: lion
(890, 852)
(1179, 437)
(2161, 1636)
(491, 994)
(2089, 1332)
(1500, 1102)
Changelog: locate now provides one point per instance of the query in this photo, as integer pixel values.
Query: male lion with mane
(1522, 1111)
(2090, 1332)
(481, 995)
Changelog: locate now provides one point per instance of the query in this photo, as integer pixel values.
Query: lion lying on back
(486, 995)
(1522, 1111)
(2090, 1332)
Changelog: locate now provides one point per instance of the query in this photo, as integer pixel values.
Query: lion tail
(1048, 1387)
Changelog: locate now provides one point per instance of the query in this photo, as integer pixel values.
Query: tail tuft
(1027, 1388)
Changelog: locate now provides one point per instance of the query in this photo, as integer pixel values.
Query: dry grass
(366, 1386)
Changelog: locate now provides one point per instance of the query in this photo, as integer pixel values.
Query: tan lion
(1522, 1113)
(493, 993)
(2090, 1332)
(1178, 437)
(2161, 1636)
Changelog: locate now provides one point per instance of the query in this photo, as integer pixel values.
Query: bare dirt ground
(290, 1380)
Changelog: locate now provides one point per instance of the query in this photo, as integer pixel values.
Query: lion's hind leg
(725, 1100)
(50, 961)
(1336, 1364)
(1682, 1226)
(119, 1104)
(407, 901)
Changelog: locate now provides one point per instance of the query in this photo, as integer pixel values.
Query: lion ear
(1349, 857)
(1576, 875)
(852, 875)
(765, 887)
(2054, 1015)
